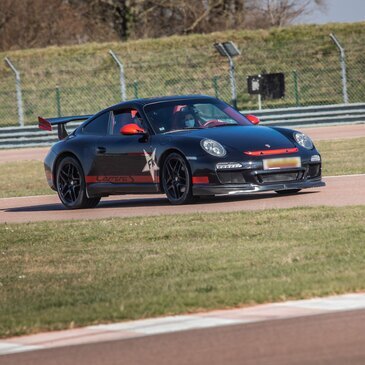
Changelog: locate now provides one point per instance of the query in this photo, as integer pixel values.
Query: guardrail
(312, 115)
(31, 136)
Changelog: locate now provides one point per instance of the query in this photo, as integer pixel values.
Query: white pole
(18, 92)
(123, 89)
(343, 68)
(259, 101)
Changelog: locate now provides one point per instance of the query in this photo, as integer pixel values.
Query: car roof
(144, 101)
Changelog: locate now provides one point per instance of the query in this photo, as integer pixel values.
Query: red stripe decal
(135, 154)
(279, 151)
(200, 180)
(120, 179)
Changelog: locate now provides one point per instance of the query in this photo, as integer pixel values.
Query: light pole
(229, 50)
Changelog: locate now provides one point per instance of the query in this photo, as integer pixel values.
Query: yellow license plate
(282, 163)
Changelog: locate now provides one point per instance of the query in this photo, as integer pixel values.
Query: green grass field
(87, 76)
(23, 178)
(340, 157)
(56, 275)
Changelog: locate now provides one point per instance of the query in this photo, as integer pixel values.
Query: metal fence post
(18, 92)
(123, 89)
(229, 50)
(135, 87)
(58, 100)
(343, 68)
(296, 89)
(233, 82)
(215, 86)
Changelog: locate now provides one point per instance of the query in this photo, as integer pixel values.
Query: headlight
(213, 147)
(303, 140)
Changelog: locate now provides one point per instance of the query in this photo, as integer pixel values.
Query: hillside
(88, 79)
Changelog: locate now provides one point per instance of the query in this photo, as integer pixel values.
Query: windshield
(192, 114)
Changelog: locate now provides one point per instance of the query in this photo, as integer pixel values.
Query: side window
(122, 117)
(98, 126)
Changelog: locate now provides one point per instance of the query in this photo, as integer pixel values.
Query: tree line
(41, 23)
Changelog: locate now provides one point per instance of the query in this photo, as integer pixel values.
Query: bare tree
(155, 18)
(278, 13)
(40, 23)
(112, 13)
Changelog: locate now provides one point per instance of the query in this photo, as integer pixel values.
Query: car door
(125, 162)
(88, 146)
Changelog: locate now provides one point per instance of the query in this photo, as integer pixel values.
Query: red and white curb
(147, 327)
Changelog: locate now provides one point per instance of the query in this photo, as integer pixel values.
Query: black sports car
(184, 146)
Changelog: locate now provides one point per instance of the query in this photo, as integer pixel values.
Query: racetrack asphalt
(316, 133)
(340, 191)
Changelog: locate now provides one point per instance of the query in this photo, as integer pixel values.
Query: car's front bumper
(231, 189)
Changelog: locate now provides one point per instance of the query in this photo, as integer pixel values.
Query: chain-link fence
(83, 80)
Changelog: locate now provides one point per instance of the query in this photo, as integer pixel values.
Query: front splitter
(232, 189)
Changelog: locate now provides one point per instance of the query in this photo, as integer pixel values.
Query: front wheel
(71, 186)
(176, 180)
(288, 192)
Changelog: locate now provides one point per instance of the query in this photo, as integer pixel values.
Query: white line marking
(167, 324)
(154, 326)
(141, 323)
(12, 348)
(193, 323)
(335, 303)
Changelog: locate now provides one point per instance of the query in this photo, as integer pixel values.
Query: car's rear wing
(46, 124)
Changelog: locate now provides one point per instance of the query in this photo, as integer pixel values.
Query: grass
(56, 275)
(87, 76)
(341, 157)
(23, 178)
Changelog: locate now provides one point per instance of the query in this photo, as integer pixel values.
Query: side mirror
(132, 130)
(253, 119)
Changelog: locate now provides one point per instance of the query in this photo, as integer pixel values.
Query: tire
(176, 180)
(71, 186)
(288, 192)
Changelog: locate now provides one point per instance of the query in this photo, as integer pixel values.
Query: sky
(338, 11)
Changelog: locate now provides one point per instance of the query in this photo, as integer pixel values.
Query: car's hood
(243, 138)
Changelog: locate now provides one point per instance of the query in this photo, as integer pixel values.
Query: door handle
(100, 149)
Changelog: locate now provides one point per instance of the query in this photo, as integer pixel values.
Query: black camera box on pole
(271, 86)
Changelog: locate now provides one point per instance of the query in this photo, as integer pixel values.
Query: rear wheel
(71, 186)
(288, 192)
(176, 179)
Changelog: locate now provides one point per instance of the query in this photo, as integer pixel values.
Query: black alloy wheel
(71, 185)
(176, 180)
(288, 192)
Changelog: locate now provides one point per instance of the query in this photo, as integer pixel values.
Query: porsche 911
(182, 146)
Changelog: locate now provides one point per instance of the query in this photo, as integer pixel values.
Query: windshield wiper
(182, 130)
